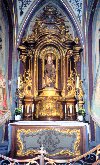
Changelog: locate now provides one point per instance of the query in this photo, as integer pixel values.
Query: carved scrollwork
(54, 143)
(49, 50)
(50, 23)
(71, 86)
(50, 36)
(49, 104)
(25, 88)
(28, 84)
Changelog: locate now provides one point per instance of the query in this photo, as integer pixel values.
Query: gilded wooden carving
(59, 137)
(49, 55)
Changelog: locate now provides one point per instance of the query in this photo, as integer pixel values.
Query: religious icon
(49, 72)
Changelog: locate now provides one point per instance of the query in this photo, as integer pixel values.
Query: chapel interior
(50, 82)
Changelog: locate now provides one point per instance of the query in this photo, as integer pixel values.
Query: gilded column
(35, 75)
(42, 71)
(66, 72)
(61, 73)
(68, 69)
(63, 67)
(57, 72)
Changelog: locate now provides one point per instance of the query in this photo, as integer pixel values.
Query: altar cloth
(60, 123)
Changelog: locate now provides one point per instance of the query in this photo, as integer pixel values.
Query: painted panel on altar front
(56, 141)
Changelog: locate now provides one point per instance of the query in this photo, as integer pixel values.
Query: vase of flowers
(81, 114)
(18, 112)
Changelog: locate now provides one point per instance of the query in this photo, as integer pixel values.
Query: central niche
(49, 55)
(49, 77)
(50, 61)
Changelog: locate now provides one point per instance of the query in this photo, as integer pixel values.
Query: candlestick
(77, 82)
(65, 108)
(71, 108)
(18, 81)
(32, 108)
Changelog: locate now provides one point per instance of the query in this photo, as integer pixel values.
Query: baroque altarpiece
(50, 87)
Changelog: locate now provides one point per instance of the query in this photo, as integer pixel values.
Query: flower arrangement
(81, 111)
(18, 111)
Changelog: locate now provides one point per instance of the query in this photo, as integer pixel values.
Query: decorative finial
(42, 151)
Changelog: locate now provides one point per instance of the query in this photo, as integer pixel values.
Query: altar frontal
(58, 139)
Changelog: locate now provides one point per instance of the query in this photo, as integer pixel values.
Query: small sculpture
(49, 73)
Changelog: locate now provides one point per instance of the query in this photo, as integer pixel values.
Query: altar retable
(49, 88)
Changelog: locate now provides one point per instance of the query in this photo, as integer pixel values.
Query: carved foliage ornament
(55, 141)
(50, 21)
(25, 88)
(71, 86)
(49, 50)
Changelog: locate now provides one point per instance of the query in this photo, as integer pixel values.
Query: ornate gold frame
(68, 131)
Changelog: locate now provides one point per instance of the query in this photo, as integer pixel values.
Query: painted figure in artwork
(3, 100)
(49, 72)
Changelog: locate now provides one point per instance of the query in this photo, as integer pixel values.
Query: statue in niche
(49, 72)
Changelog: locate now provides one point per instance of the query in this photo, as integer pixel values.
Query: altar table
(59, 138)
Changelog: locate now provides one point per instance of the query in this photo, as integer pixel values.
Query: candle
(18, 81)
(71, 108)
(32, 108)
(76, 107)
(65, 108)
(77, 82)
(28, 109)
(22, 108)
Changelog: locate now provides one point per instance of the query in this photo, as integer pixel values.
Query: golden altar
(49, 87)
